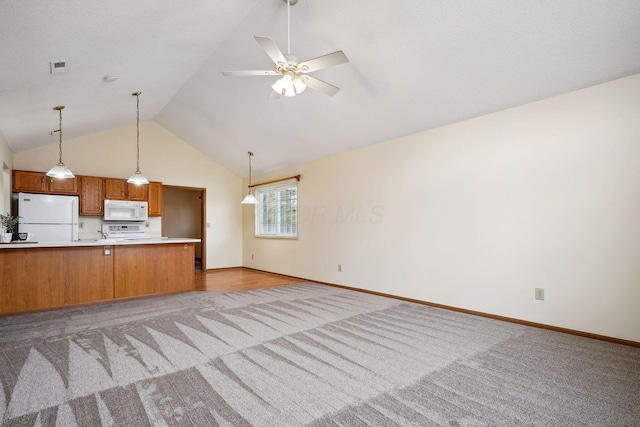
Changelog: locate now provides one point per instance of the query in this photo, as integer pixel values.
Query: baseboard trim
(473, 312)
(227, 269)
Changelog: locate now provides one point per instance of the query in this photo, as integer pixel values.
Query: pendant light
(60, 170)
(250, 199)
(137, 177)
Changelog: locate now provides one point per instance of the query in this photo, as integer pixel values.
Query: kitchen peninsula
(36, 276)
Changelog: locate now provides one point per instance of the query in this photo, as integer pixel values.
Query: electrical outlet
(339, 267)
(81, 225)
(251, 256)
(146, 224)
(540, 294)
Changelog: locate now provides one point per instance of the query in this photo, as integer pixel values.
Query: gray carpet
(304, 355)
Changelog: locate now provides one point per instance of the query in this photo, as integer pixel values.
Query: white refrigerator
(50, 218)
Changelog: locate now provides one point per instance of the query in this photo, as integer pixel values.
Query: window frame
(259, 226)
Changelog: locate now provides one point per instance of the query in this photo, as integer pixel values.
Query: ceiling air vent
(58, 66)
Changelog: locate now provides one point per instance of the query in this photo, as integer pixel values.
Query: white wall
(479, 213)
(165, 158)
(6, 163)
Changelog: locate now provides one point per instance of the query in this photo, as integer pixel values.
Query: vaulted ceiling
(414, 65)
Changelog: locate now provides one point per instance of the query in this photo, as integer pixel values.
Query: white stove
(124, 231)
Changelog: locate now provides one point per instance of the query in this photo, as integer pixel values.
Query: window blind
(277, 210)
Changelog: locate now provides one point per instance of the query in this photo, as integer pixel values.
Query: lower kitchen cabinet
(152, 269)
(40, 278)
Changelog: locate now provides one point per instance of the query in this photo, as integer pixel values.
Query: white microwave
(124, 210)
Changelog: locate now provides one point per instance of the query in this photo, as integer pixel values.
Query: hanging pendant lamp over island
(250, 199)
(137, 177)
(60, 170)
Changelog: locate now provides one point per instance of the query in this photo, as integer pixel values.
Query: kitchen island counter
(99, 242)
(36, 276)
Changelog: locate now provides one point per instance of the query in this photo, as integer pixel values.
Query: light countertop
(100, 242)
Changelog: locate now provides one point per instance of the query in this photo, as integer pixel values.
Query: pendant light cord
(59, 108)
(60, 140)
(250, 155)
(137, 95)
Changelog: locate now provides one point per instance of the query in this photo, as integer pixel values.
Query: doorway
(183, 214)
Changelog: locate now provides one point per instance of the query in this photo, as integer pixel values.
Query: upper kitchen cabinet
(115, 189)
(91, 195)
(39, 182)
(137, 192)
(120, 189)
(155, 199)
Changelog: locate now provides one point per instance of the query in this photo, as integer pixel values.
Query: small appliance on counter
(124, 231)
(125, 210)
(48, 218)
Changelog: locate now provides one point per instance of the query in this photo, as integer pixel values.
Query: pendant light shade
(250, 199)
(60, 170)
(137, 177)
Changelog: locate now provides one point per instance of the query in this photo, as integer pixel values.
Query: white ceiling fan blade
(323, 87)
(251, 73)
(271, 48)
(325, 61)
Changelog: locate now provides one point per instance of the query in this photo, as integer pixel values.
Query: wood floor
(239, 279)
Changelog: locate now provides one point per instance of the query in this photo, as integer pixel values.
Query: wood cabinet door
(153, 269)
(155, 199)
(30, 182)
(37, 278)
(63, 186)
(138, 193)
(115, 189)
(91, 195)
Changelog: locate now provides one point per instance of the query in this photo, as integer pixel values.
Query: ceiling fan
(294, 78)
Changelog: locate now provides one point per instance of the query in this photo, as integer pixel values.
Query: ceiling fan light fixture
(60, 170)
(289, 85)
(284, 86)
(299, 85)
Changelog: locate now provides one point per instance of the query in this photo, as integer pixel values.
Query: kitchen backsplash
(89, 226)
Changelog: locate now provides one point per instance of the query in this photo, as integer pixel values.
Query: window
(277, 211)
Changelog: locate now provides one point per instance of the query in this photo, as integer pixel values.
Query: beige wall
(6, 164)
(479, 213)
(165, 158)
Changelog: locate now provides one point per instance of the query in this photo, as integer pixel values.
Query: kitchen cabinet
(39, 182)
(37, 278)
(155, 199)
(153, 269)
(115, 189)
(139, 193)
(120, 189)
(91, 195)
